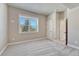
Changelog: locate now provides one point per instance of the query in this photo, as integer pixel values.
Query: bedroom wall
(14, 35)
(73, 27)
(51, 26)
(3, 26)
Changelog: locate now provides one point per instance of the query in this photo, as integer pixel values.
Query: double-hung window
(28, 24)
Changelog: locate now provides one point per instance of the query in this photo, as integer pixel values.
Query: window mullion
(29, 25)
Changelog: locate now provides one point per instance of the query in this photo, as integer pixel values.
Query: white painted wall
(3, 25)
(51, 26)
(73, 27)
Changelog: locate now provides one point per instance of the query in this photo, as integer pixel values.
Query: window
(28, 24)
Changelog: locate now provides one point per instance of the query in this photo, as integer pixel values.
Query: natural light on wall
(28, 24)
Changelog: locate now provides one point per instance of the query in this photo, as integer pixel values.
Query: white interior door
(62, 29)
(61, 26)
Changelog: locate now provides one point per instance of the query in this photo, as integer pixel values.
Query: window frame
(37, 30)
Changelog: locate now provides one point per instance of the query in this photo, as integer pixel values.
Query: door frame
(66, 32)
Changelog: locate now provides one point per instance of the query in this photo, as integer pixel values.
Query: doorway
(61, 28)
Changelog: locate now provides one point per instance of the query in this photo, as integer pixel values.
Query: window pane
(33, 24)
(23, 24)
(25, 28)
(26, 22)
(21, 20)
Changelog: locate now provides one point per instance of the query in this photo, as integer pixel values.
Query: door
(64, 29)
(61, 27)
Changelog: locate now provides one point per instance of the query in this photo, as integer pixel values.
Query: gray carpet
(43, 47)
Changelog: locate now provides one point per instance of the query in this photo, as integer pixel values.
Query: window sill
(27, 32)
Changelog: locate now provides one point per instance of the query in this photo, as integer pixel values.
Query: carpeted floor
(43, 47)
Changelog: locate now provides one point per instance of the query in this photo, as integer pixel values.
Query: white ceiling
(71, 5)
(43, 8)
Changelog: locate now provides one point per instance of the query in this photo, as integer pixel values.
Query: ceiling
(44, 8)
(71, 5)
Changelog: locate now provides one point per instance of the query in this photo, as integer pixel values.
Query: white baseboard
(3, 49)
(73, 46)
(14, 43)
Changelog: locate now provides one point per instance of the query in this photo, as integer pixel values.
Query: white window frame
(36, 18)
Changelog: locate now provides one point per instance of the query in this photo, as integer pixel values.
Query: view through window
(28, 24)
